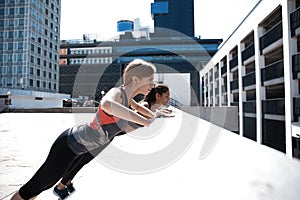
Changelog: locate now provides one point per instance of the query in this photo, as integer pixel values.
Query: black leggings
(83, 160)
(60, 163)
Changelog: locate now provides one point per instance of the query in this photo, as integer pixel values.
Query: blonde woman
(110, 120)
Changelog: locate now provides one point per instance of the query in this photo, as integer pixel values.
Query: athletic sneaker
(62, 194)
(70, 188)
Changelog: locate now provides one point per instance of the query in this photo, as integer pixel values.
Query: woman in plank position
(111, 119)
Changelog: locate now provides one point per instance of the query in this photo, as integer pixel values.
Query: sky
(214, 19)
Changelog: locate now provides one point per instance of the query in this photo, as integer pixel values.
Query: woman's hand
(163, 113)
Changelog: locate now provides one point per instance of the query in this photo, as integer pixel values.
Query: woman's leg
(58, 161)
(83, 160)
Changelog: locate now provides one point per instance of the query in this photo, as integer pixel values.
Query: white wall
(179, 85)
(27, 99)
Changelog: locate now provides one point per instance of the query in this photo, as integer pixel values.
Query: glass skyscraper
(29, 44)
(177, 15)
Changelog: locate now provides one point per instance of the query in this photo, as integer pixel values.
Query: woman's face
(145, 84)
(163, 99)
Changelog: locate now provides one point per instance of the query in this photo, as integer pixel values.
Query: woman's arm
(142, 108)
(111, 104)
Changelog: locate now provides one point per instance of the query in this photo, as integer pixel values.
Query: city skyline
(222, 17)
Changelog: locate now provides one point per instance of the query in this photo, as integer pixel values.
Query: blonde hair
(138, 68)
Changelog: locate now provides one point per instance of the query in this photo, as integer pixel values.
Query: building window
(10, 34)
(32, 47)
(38, 60)
(21, 22)
(9, 70)
(19, 69)
(32, 36)
(9, 82)
(10, 58)
(20, 57)
(33, 25)
(11, 23)
(11, 11)
(21, 34)
(33, 13)
(20, 45)
(40, 18)
(31, 70)
(21, 11)
(10, 46)
(37, 83)
(38, 72)
(31, 82)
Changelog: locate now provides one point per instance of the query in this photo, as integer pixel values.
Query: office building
(257, 69)
(176, 15)
(89, 68)
(29, 45)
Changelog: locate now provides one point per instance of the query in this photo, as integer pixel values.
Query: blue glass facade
(160, 7)
(176, 15)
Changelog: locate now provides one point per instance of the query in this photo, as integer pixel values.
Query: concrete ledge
(54, 110)
(235, 168)
(225, 117)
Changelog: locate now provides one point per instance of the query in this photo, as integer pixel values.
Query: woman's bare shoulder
(113, 94)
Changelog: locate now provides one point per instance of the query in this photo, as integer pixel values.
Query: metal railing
(295, 21)
(296, 101)
(234, 84)
(249, 107)
(273, 106)
(224, 69)
(233, 63)
(296, 65)
(271, 36)
(248, 52)
(272, 71)
(249, 79)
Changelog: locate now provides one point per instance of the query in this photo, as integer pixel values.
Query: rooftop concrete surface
(174, 158)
